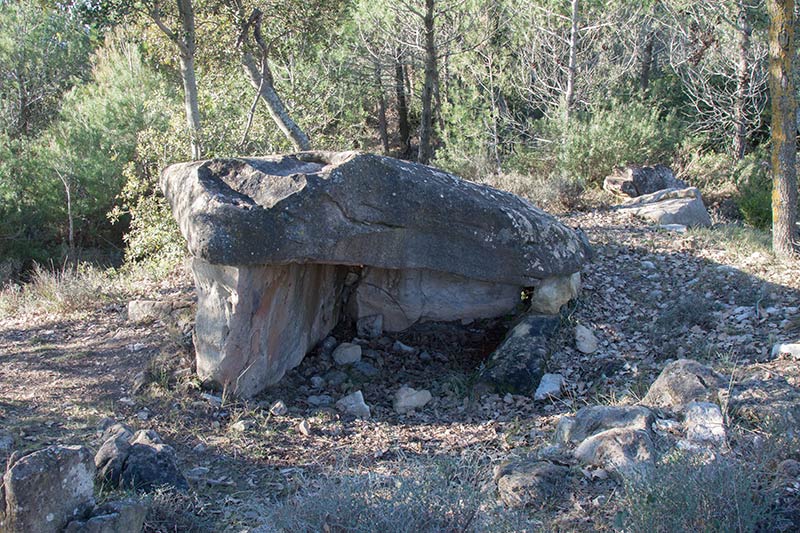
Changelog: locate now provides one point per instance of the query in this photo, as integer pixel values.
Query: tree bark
(402, 105)
(744, 31)
(784, 127)
(569, 95)
(382, 130)
(426, 119)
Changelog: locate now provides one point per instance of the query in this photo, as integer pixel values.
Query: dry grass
(61, 290)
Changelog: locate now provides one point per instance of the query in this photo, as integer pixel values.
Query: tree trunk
(384, 134)
(569, 95)
(744, 30)
(186, 13)
(262, 81)
(784, 128)
(190, 104)
(428, 89)
(185, 41)
(646, 60)
(402, 105)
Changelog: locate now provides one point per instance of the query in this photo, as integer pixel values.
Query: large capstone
(282, 245)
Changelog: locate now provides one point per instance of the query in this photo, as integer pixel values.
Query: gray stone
(43, 491)
(407, 399)
(140, 461)
(550, 387)
(6, 441)
(529, 482)
(682, 382)
(353, 404)
(336, 378)
(361, 209)
(370, 327)
(595, 419)
(365, 370)
(792, 350)
(517, 365)
(585, 341)
(625, 451)
(142, 311)
(110, 458)
(552, 293)
(634, 180)
(327, 346)
(704, 423)
(280, 313)
(671, 206)
(274, 240)
(126, 516)
(347, 354)
(404, 297)
(320, 400)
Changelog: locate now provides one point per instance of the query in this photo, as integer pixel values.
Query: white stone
(790, 349)
(304, 427)
(550, 386)
(704, 423)
(242, 425)
(554, 292)
(403, 348)
(353, 404)
(677, 228)
(407, 399)
(671, 206)
(278, 408)
(585, 341)
(347, 353)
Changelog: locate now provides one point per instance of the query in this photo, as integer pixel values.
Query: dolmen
(283, 247)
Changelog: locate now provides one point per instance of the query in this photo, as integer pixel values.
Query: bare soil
(649, 295)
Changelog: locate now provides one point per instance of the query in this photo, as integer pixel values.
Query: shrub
(559, 192)
(754, 191)
(423, 498)
(58, 290)
(622, 133)
(688, 495)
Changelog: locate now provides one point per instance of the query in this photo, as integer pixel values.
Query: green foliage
(754, 197)
(632, 132)
(43, 52)
(153, 240)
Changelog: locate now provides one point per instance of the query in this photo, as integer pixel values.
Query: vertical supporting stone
(254, 323)
(407, 296)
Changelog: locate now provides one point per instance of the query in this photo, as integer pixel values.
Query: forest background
(542, 98)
